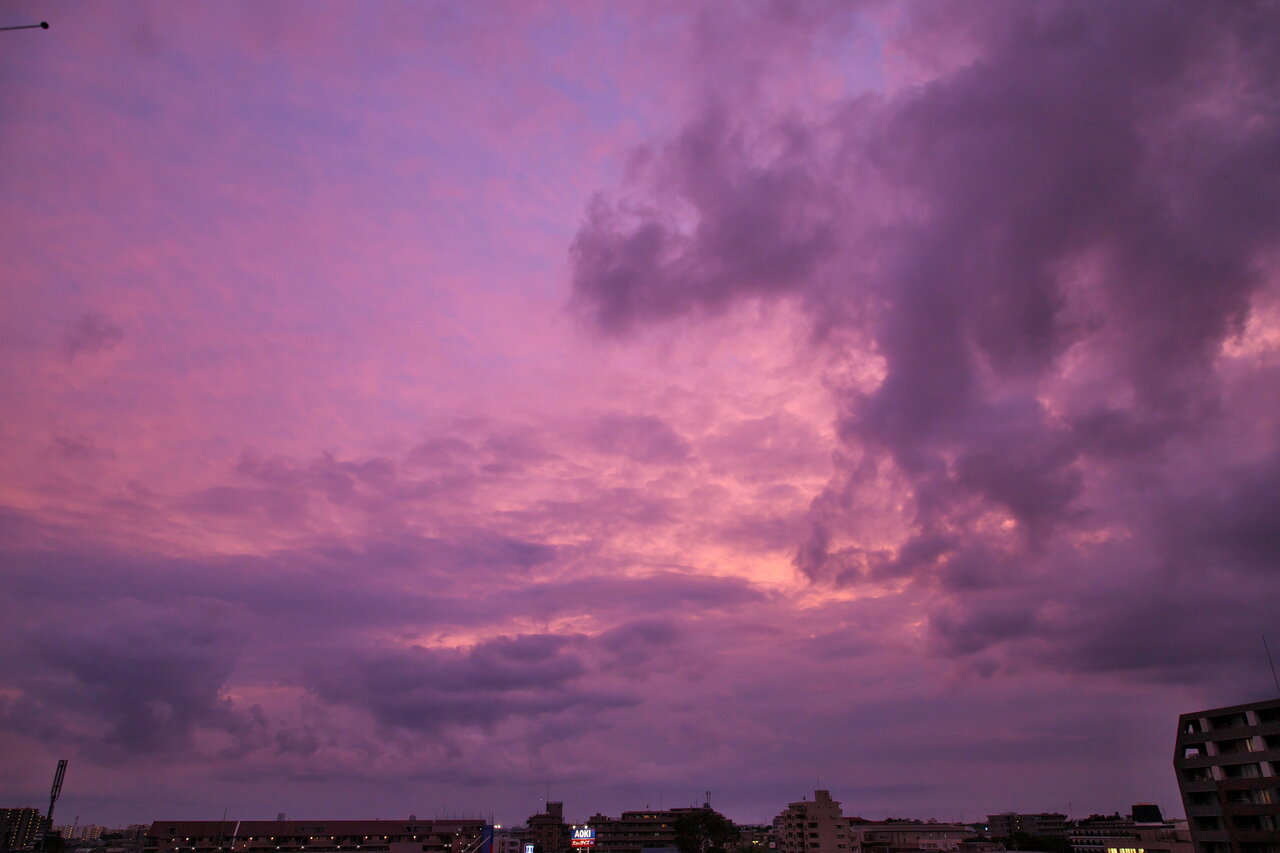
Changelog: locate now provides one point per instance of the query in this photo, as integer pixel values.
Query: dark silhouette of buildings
(466, 835)
(1008, 824)
(19, 827)
(548, 829)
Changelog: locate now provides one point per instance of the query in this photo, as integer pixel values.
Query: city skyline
(440, 405)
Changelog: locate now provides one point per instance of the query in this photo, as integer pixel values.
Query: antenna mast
(1274, 677)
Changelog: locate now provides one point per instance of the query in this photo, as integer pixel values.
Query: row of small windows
(1230, 771)
(1233, 721)
(1245, 796)
(1233, 747)
(1254, 823)
(1243, 847)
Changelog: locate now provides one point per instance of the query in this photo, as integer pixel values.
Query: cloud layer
(420, 411)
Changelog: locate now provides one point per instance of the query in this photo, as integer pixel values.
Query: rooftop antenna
(43, 25)
(1274, 677)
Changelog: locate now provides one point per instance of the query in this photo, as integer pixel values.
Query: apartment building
(20, 828)
(1007, 824)
(813, 826)
(636, 831)
(548, 830)
(1144, 831)
(1227, 761)
(758, 836)
(897, 836)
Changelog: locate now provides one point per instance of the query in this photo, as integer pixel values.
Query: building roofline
(1227, 709)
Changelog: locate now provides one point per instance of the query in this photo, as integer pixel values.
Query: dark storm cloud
(147, 647)
(639, 642)
(93, 333)
(759, 230)
(1048, 245)
(428, 689)
(79, 448)
(138, 679)
(653, 592)
(1234, 524)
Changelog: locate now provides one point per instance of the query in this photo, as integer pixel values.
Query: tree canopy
(704, 831)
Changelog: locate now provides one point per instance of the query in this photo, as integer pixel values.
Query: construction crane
(53, 798)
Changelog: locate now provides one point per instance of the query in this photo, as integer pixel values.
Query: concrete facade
(895, 836)
(1125, 835)
(548, 830)
(813, 826)
(1227, 761)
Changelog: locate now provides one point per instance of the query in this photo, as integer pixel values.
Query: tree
(704, 831)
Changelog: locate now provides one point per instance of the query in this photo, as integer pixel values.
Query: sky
(437, 407)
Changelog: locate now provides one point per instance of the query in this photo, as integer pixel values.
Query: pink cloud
(420, 407)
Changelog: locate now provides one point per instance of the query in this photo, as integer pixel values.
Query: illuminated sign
(583, 836)
(528, 848)
(1126, 850)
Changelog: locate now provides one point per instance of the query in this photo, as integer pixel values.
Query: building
(899, 836)
(1143, 831)
(508, 841)
(637, 831)
(20, 828)
(758, 836)
(548, 831)
(1008, 824)
(813, 826)
(465, 835)
(979, 847)
(1227, 761)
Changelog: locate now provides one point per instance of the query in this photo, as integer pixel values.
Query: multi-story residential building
(1144, 831)
(979, 846)
(464, 835)
(548, 830)
(813, 826)
(898, 836)
(1228, 765)
(758, 836)
(20, 828)
(637, 831)
(1007, 824)
(509, 841)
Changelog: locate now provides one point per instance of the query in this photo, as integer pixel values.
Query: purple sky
(420, 407)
